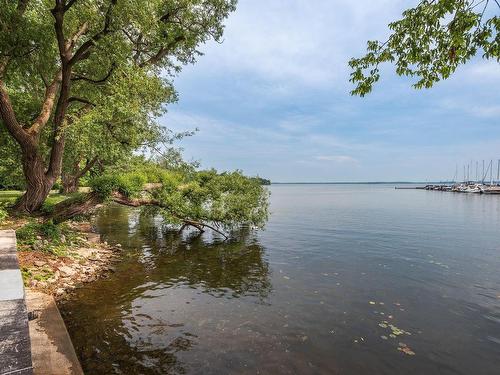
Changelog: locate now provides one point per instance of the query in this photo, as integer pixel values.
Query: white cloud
(300, 42)
(482, 70)
(273, 99)
(337, 158)
(483, 110)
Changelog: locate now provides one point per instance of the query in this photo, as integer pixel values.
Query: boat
(494, 189)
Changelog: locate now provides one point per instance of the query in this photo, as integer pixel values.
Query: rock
(84, 252)
(39, 263)
(67, 271)
(93, 238)
(60, 292)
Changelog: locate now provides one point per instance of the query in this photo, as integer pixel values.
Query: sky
(273, 100)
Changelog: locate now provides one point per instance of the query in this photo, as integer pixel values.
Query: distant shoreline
(365, 183)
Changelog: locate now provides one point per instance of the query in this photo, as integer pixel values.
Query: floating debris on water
(395, 331)
(402, 347)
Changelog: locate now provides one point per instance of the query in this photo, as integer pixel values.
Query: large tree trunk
(70, 208)
(38, 184)
(71, 179)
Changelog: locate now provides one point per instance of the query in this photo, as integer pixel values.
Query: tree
(58, 61)
(11, 174)
(203, 199)
(431, 41)
(101, 138)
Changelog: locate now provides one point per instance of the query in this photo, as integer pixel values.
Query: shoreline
(59, 275)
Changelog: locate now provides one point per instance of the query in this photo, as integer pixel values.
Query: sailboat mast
(482, 178)
(491, 172)
(498, 171)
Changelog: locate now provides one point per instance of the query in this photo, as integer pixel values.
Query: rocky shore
(59, 275)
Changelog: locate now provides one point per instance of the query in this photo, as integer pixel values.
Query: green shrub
(131, 183)
(50, 231)
(27, 234)
(104, 185)
(3, 214)
(47, 236)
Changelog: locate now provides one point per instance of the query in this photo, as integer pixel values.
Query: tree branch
(88, 167)
(162, 52)
(68, 209)
(77, 77)
(47, 105)
(84, 50)
(8, 117)
(81, 31)
(81, 100)
(69, 5)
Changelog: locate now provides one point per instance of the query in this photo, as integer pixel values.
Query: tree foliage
(100, 67)
(11, 173)
(431, 41)
(224, 200)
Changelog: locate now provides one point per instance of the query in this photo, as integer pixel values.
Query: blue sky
(273, 100)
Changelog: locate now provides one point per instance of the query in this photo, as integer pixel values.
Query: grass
(10, 196)
(33, 233)
(42, 274)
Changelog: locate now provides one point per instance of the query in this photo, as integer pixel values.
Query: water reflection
(135, 321)
(344, 267)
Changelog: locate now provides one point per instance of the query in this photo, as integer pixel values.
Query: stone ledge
(51, 346)
(15, 346)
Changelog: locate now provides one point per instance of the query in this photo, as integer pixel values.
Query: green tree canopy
(97, 63)
(431, 41)
(219, 201)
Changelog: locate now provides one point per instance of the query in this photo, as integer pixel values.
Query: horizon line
(357, 182)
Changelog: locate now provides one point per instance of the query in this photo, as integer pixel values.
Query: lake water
(345, 279)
